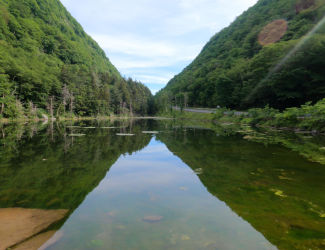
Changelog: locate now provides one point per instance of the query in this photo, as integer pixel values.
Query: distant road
(211, 111)
(197, 110)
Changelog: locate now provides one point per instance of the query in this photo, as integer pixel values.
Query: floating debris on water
(183, 188)
(108, 127)
(198, 171)
(119, 134)
(152, 218)
(73, 127)
(76, 135)
(150, 132)
(88, 127)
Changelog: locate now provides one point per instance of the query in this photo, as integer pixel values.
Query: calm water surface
(180, 188)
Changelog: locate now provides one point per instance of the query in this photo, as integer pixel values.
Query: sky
(151, 41)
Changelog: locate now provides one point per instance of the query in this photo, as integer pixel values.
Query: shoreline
(27, 120)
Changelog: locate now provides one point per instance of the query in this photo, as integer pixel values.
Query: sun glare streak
(283, 61)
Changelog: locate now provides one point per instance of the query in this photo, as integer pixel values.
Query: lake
(158, 184)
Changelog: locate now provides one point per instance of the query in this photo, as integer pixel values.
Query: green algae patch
(278, 193)
(97, 243)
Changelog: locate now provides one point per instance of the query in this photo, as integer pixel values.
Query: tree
(7, 98)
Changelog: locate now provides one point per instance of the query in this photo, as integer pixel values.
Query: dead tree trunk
(51, 107)
(2, 105)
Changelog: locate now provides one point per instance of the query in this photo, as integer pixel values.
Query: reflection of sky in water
(155, 182)
(152, 167)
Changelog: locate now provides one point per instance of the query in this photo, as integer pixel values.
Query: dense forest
(273, 54)
(48, 64)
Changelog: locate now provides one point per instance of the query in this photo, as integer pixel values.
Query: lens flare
(273, 32)
(304, 4)
(280, 64)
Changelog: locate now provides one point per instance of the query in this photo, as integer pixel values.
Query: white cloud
(146, 35)
(155, 79)
(146, 52)
(132, 45)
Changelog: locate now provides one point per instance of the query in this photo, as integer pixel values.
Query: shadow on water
(53, 167)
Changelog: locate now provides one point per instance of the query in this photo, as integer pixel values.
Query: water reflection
(152, 200)
(169, 186)
(44, 168)
(278, 192)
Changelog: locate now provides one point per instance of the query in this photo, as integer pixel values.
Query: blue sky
(151, 41)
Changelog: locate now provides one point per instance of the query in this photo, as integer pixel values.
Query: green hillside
(267, 56)
(48, 62)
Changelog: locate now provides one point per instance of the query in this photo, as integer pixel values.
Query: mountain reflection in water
(180, 188)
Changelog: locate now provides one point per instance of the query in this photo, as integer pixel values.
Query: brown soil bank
(19, 224)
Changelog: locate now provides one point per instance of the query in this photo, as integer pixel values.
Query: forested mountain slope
(273, 54)
(48, 62)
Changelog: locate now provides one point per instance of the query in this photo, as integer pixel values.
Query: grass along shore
(307, 118)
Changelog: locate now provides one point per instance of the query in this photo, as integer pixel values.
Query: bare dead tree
(65, 97)
(51, 107)
(71, 97)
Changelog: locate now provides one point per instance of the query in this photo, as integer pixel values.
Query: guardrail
(211, 111)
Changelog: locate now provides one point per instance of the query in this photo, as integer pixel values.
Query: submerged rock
(54, 239)
(41, 241)
(19, 224)
(185, 237)
(152, 218)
